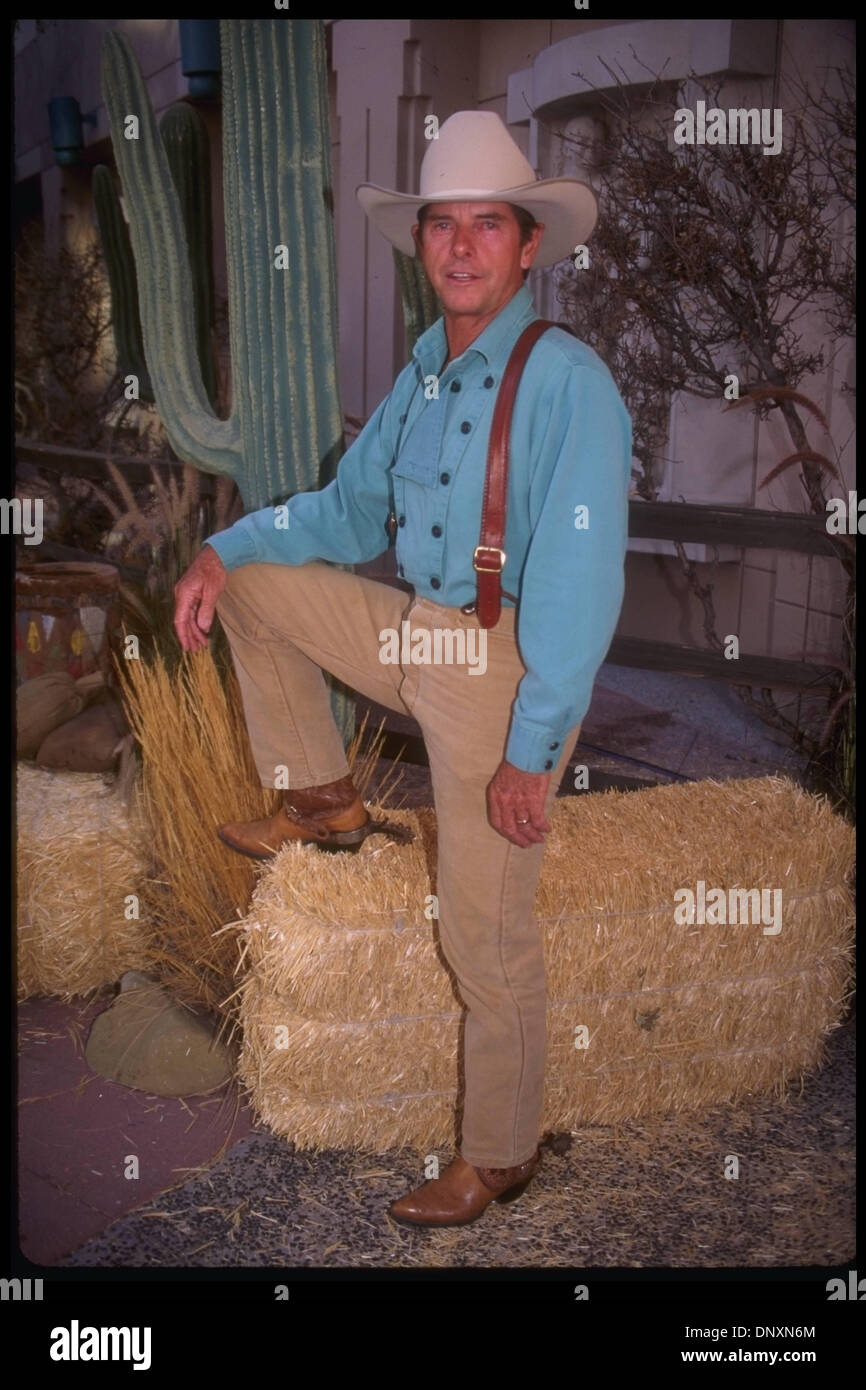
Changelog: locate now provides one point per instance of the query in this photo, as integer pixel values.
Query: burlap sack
(88, 743)
(42, 705)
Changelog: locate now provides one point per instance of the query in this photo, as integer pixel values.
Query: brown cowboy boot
(332, 816)
(461, 1193)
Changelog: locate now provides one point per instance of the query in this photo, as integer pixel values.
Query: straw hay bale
(352, 1020)
(78, 857)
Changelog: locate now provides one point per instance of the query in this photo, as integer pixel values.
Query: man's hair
(525, 221)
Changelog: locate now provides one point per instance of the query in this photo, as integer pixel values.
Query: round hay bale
(351, 1018)
(79, 858)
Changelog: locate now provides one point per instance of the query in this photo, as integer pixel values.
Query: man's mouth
(461, 276)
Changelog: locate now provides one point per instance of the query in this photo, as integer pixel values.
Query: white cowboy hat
(475, 159)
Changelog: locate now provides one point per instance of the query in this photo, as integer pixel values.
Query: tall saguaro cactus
(285, 431)
(284, 434)
(186, 145)
(125, 312)
(421, 308)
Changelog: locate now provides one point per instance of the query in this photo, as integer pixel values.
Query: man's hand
(515, 804)
(195, 596)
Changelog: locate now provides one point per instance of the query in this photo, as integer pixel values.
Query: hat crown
(474, 159)
(475, 154)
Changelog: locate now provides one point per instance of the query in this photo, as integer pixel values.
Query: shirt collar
(493, 344)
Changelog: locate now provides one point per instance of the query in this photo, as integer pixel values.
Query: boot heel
(512, 1194)
(325, 848)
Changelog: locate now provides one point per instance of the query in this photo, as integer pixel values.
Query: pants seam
(287, 709)
(506, 873)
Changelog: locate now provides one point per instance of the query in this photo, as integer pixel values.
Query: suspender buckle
(495, 567)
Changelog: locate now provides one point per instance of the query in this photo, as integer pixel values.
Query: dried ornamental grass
(79, 855)
(198, 772)
(342, 967)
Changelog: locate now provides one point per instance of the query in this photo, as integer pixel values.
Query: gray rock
(148, 1042)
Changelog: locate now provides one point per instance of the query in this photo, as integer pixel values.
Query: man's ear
(530, 250)
(416, 237)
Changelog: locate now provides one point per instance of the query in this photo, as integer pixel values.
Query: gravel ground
(632, 1196)
(642, 1195)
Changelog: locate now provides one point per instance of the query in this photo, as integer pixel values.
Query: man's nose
(461, 242)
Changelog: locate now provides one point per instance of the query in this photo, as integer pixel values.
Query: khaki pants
(285, 623)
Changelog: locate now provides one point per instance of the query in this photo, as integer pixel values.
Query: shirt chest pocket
(418, 458)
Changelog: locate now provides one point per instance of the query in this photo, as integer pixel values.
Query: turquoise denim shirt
(422, 456)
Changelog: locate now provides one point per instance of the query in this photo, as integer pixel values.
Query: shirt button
(437, 584)
(548, 765)
(553, 745)
(437, 531)
(402, 419)
(488, 382)
(401, 521)
(445, 477)
(455, 386)
(465, 427)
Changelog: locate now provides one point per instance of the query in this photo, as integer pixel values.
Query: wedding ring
(523, 822)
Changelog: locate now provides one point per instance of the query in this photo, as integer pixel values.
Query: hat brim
(567, 207)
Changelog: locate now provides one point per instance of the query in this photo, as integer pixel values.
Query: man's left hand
(515, 804)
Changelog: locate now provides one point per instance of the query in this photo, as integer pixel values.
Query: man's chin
(462, 301)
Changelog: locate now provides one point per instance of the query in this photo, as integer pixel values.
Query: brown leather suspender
(489, 550)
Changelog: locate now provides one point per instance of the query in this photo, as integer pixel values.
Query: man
(498, 740)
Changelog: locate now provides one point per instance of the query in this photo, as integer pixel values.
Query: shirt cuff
(532, 748)
(236, 546)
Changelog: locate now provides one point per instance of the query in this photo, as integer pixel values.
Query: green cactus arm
(186, 145)
(117, 250)
(164, 277)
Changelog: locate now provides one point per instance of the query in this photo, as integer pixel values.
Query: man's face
(473, 257)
